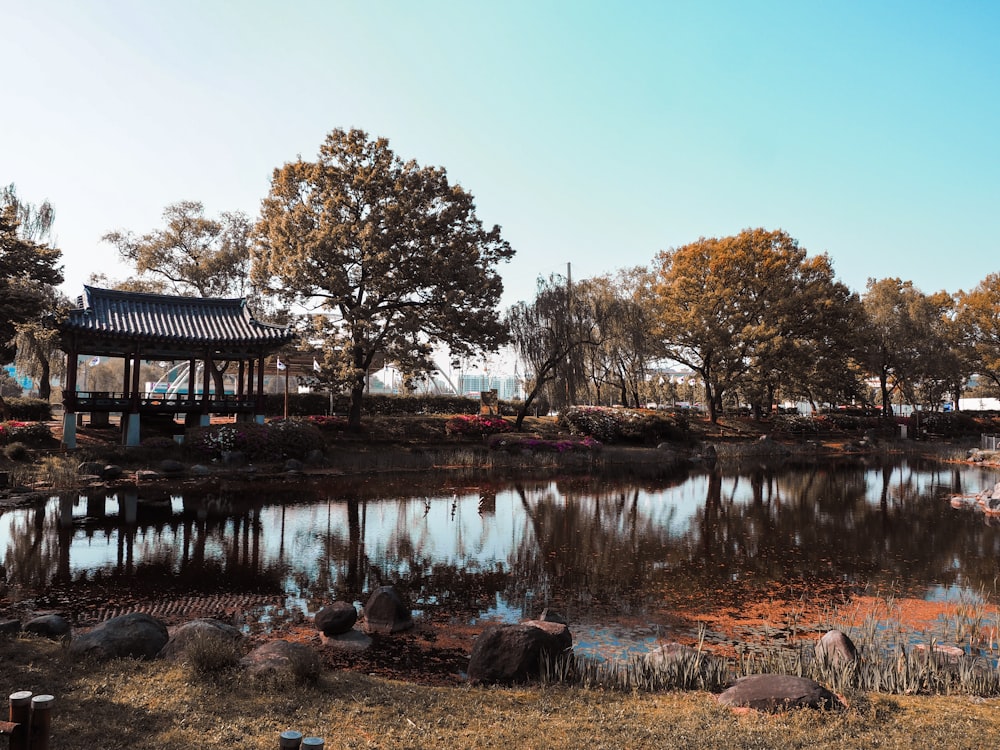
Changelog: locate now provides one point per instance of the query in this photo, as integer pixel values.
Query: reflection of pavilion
(238, 532)
(217, 333)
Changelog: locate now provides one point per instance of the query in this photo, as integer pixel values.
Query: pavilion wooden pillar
(206, 387)
(259, 409)
(69, 398)
(131, 422)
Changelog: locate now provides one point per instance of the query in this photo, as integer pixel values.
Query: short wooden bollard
(292, 740)
(41, 722)
(20, 715)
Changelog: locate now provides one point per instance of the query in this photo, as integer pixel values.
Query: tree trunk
(713, 414)
(4, 410)
(354, 413)
(44, 380)
(883, 381)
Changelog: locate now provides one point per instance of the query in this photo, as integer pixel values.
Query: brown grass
(132, 704)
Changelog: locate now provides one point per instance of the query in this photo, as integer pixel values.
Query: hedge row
(29, 409)
(619, 425)
(307, 404)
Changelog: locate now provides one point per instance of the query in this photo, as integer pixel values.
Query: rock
(778, 692)
(90, 468)
(147, 475)
(233, 458)
(836, 649)
(336, 619)
(9, 628)
(294, 465)
(549, 615)
(510, 654)
(197, 631)
(55, 627)
(941, 654)
(171, 466)
(672, 655)
(353, 640)
(387, 611)
(281, 659)
(135, 635)
(200, 470)
(111, 471)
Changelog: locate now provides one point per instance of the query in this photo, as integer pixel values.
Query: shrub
(30, 409)
(618, 425)
(16, 452)
(292, 438)
(159, 443)
(477, 424)
(211, 441)
(30, 433)
(518, 443)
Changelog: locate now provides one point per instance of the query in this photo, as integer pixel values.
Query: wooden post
(314, 742)
(41, 721)
(20, 714)
(290, 740)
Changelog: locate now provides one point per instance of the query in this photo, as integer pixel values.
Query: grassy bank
(132, 704)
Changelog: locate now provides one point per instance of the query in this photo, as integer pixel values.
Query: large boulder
(671, 656)
(202, 631)
(282, 660)
(778, 692)
(135, 635)
(336, 619)
(836, 649)
(55, 627)
(510, 654)
(387, 611)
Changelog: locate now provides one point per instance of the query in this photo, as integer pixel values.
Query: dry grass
(132, 704)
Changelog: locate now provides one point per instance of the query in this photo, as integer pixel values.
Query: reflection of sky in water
(463, 532)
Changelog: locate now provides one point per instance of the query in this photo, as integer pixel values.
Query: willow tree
(28, 270)
(547, 331)
(389, 254)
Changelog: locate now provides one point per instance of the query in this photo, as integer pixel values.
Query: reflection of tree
(572, 544)
(585, 553)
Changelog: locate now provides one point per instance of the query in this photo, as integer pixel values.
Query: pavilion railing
(165, 402)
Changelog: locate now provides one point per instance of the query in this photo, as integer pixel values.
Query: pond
(628, 563)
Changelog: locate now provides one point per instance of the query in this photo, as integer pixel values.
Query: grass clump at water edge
(126, 704)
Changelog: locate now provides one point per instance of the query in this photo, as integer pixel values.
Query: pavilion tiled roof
(166, 322)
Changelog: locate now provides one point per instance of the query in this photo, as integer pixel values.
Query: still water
(615, 557)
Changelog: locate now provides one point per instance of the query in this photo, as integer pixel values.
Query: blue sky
(594, 133)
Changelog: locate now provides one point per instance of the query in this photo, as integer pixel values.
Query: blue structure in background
(22, 380)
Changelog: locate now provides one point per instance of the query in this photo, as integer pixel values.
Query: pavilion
(216, 333)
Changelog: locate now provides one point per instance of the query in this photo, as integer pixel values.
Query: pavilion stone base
(131, 431)
(69, 430)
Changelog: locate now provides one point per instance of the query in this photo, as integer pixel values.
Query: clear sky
(594, 133)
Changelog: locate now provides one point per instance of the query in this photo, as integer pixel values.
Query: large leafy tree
(192, 255)
(978, 320)
(908, 340)
(28, 269)
(390, 254)
(744, 311)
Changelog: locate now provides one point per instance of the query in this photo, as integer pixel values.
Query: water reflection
(591, 550)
